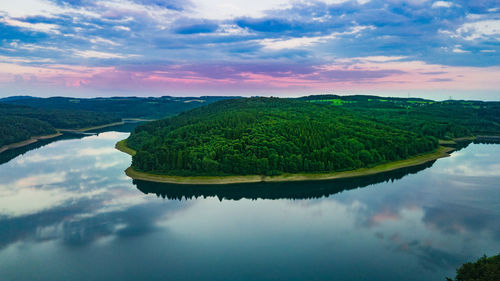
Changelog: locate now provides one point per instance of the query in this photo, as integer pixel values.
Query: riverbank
(441, 152)
(479, 138)
(28, 141)
(122, 146)
(60, 132)
(92, 128)
(138, 120)
(455, 140)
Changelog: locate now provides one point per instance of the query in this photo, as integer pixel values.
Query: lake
(69, 212)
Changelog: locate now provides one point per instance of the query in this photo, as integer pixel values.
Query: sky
(85, 48)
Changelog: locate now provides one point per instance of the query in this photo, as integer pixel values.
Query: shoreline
(91, 128)
(441, 152)
(60, 133)
(28, 141)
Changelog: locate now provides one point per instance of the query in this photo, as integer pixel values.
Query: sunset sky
(85, 48)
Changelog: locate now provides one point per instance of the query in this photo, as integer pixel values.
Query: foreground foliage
(484, 269)
(269, 136)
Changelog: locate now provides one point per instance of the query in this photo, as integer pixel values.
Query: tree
(484, 269)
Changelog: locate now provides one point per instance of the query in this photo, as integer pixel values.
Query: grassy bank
(122, 146)
(414, 161)
(455, 140)
(27, 142)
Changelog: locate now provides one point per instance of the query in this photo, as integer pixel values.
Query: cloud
(121, 28)
(442, 4)
(371, 59)
(96, 151)
(357, 75)
(433, 72)
(304, 42)
(41, 27)
(100, 55)
(22, 8)
(440, 80)
(222, 10)
(459, 51)
(177, 5)
(112, 37)
(268, 25)
(480, 29)
(196, 28)
(99, 40)
(294, 43)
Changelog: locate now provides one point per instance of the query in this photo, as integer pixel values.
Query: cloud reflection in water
(73, 194)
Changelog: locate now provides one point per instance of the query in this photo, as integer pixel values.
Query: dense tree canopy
(23, 117)
(445, 120)
(484, 269)
(15, 129)
(269, 136)
(19, 123)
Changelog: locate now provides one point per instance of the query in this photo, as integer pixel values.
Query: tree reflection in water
(279, 190)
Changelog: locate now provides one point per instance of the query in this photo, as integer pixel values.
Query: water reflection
(74, 191)
(10, 154)
(70, 201)
(279, 190)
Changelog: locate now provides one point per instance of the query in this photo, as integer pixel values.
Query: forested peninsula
(316, 137)
(268, 137)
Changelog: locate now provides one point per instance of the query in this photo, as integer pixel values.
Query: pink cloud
(351, 75)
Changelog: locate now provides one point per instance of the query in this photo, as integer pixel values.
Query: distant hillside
(269, 136)
(19, 123)
(445, 119)
(23, 117)
(16, 98)
(124, 107)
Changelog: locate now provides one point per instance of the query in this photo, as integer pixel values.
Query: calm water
(68, 212)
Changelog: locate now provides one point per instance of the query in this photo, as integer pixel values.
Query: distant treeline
(23, 117)
(15, 129)
(123, 107)
(19, 123)
(445, 120)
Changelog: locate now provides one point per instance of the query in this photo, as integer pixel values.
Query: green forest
(123, 107)
(23, 117)
(19, 123)
(15, 129)
(445, 120)
(269, 136)
(484, 269)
